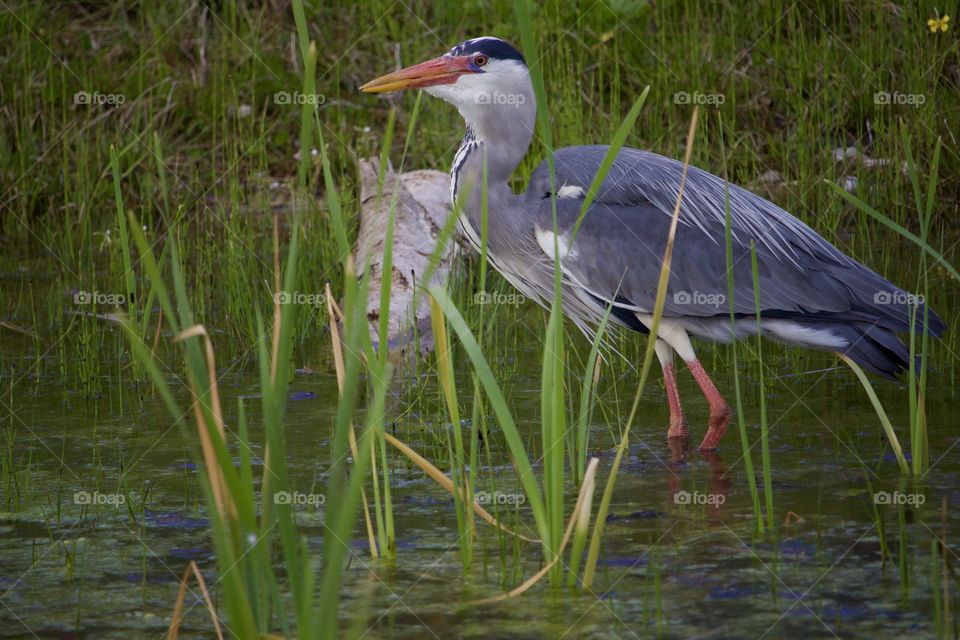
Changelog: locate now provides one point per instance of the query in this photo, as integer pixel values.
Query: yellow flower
(938, 23)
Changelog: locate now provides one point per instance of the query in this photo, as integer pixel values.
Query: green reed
(745, 446)
(764, 432)
(917, 381)
(243, 538)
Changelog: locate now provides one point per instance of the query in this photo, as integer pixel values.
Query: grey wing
(617, 253)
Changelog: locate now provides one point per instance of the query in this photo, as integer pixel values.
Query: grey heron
(810, 293)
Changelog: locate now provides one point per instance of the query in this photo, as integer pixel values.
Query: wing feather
(619, 247)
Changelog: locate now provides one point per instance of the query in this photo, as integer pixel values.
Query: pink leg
(678, 426)
(719, 409)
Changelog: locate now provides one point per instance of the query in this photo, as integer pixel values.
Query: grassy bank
(202, 105)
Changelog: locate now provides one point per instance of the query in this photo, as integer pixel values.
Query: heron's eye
(480, 60)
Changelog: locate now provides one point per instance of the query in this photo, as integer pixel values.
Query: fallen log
(422, 208)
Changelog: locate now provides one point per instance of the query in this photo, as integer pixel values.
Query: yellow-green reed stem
(935, 577)
(919, 444)
(341, 520)
(385, 146)
(499, 405)
(918, 426)
(877, 516)
(309, 105)
(903, 550)
(881, 413)
(553, 436)
(593, 554)
(764, 431)
(458, 470)
(587, 398)
(129, 281)
(745, 445)
(384, 510)
(385, 520)
(553, 408)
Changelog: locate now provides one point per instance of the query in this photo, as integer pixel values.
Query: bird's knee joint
(721, 412)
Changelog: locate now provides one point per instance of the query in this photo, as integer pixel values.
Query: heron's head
(485, 78)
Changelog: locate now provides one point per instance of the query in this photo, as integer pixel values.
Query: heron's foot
(678, 428)
(719, 421)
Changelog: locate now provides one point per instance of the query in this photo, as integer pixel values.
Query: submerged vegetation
(200, 437)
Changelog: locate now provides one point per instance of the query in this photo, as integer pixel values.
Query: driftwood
(422, 209)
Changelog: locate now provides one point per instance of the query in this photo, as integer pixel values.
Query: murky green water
(667, 570)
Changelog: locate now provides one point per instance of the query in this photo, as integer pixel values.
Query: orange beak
(442, 70)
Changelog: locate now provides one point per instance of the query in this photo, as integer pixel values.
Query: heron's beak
(442, 70)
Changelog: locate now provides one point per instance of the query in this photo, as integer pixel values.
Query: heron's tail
(884, 310)
(876, 349)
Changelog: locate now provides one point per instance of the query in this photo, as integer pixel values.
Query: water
(667, 570)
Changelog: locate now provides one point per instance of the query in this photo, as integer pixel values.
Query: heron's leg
(719, 409)
(678, 425)
(672, 332)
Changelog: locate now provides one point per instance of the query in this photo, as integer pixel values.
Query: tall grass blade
(129, 280)
(341, 374)
(458, 464)
(745, 445)
(173, 631)
(878, 407)
(593, 554)
(499, 405)
(441, 479)
(764, 433)
(582, 506)
(873, 213)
